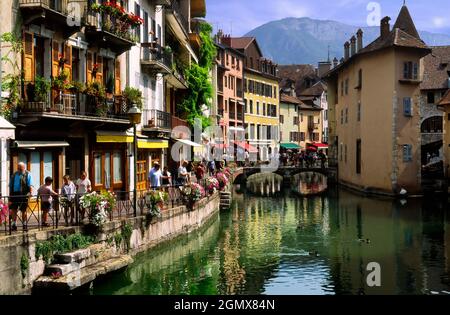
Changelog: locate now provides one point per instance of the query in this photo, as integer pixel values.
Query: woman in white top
(83, 187)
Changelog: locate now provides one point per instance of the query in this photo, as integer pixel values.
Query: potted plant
(155, 202)
(40, 93)
(192, 194)
(133, 96)
(99, 206)
(76, 87)
(222, 179)
(212, 185)
(96, 93)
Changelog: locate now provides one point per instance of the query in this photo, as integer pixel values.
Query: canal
(280, 240)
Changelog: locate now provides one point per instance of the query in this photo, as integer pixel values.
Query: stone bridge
(287, 172)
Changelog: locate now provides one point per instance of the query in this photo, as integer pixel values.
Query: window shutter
(407, 153)
(99, 76)
(117, 77)
(415, 71)
(407, 107)
(55, 58)
(68, 57)
(90, 66)
(28, 54)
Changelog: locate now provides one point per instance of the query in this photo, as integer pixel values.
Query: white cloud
(439, 22)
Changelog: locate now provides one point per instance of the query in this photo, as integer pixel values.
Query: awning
(220, 145)
(153, 144)
(189, 143)
(39, 144)
(246, 146)
(114, 137)
(290, 146)
(319, 145)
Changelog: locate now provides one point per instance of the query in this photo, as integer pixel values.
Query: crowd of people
(303, 159)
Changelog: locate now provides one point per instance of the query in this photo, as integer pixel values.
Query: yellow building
(374, 98)
(261, 86)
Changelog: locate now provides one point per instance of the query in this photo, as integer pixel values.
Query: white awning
(189, 143)
(39, 144)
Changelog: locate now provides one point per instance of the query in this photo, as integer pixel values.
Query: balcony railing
(157, 119)
(112, 25)
(154, 56)
(66, 103)
(55, 5)
(176, 10)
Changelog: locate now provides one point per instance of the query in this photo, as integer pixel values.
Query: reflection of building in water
(265, 185)
(310, 183)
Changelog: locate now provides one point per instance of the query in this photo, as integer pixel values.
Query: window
(275, 92)
(341, 152)
(225, 78)
(245, 106)
(407, 153)
(301, 117)
(345, 154)
(257, 108)
(251, 106)
(295, 120)
(346, 115)
(359, 79)
(264, 109)
(294, 137)
(48, 164)
(342, 88)
(430, 98)
(346, 86)
(407, 107)
(410, 70)
(252, 131)
(358, 156)
(281, 119)
(35, 168)
(117, 167)
(342, 116)
(98, 169)
(107, 170)
(359, 111)
(315, 137)
(432, 125)
(325, 115)
(137, 12)
(302, 136)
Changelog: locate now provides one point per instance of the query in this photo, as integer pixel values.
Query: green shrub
(24, 265)
(59, 244)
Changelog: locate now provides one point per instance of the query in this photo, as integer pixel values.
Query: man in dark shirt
(20, 188)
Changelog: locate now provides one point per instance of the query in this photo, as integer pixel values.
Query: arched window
(432, 125)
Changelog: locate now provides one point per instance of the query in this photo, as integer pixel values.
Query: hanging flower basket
(212, 185)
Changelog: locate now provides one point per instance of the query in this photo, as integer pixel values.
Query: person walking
(166, 178)
(45, 194)
(21, 188)
(83, 185)
(154, 177)
(69, 191)
(183, 175)
(200, 172)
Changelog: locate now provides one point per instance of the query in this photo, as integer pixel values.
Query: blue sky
(240, 16)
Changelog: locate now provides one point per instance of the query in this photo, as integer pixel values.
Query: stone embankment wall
(80, 268)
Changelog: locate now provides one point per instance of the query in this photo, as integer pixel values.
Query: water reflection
(265, 185)
(290, 244)
(310, 183)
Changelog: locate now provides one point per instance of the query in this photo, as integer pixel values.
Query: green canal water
(276, 241)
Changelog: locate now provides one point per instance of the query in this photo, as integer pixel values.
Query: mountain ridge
(305, 40)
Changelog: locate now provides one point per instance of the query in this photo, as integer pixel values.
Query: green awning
(290, 146)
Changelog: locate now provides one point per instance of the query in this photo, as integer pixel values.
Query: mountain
(306, 41)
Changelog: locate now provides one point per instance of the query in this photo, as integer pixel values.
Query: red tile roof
(445, 99)
(436, 69)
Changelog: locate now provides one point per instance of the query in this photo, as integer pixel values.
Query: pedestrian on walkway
(166, 178)
(21, 188)
(154, 177)
(69, 191)
(45, 194)
(200, 172)
(183, 175)
(83, 187)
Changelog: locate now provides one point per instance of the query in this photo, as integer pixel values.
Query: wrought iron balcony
(156, 119)
(155, 59)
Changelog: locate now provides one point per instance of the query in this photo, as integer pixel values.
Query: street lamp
(134, 116)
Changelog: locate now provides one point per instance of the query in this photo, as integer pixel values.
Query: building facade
(79, 57)
(374, 100)
(261, 98)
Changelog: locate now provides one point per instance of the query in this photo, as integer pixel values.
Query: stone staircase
(73, 270)
(225, 200)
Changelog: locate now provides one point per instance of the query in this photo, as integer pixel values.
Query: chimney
(359, 43)
(335, 62)
(219, 36)
(353, 45)
(323, 68)
(226, 40)
(346, 50)
(385, 27)
(293, 93)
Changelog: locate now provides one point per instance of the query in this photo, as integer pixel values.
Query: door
(117, 87)
(90, 66)
(142, 171)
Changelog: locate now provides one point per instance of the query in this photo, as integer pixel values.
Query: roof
(296, 74)
(436, 69)
(290, 99)
(226, 47)
(242, 43)
(316, 90)
(445, 101)
(404, 34)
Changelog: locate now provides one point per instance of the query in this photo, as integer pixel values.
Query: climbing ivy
(59, 244)
(24, 265)
(198, 78)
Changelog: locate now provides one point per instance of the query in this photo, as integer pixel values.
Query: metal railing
(153, 118)
(73, 104)
(151, 52)
(112, 25)
(176, 9)
(65, 211)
